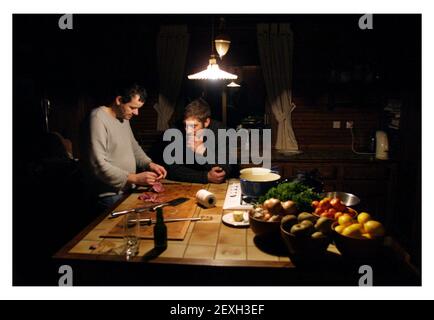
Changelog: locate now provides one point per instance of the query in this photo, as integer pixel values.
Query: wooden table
(211, 252)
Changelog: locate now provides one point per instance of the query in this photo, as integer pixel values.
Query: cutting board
(175, 230)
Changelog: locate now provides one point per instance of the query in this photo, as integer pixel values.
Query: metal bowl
(350, 200)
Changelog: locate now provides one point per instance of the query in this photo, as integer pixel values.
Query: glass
(131, 234)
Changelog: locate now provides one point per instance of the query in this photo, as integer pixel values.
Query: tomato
(340, 207)
(315, 204)
(335, 202)
(332, 211)
(318, 211)
(328, 215)
(337, 215)
(325, 204)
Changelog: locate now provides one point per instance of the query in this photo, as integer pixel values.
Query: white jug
(382, 145)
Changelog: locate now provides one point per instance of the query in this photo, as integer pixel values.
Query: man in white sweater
(114, 159)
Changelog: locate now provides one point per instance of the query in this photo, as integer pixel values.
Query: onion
(289, 207)
(273, 206)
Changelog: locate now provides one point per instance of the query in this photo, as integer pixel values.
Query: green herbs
(295, 191)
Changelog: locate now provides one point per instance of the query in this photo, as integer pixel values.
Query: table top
(207, 243)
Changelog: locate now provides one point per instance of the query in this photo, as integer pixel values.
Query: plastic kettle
(382, 145)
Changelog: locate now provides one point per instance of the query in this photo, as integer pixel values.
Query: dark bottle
(160, 231)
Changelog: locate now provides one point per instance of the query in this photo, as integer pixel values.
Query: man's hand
(159, 170)
(143, 178)
(216, 175)
(195, 142)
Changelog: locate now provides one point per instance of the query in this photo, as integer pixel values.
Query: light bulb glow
(213, 72)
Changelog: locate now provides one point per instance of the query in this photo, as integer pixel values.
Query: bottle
(160, 231)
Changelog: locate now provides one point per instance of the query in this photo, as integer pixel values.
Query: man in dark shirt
(197, 116)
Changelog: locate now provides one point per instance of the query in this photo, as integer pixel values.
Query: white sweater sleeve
(104, 170)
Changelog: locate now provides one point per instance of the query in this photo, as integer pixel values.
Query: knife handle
(119, 213)
(159, 206)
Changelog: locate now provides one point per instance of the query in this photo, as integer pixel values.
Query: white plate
(228, 219)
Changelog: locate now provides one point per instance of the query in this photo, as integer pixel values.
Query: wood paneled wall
(313, 127)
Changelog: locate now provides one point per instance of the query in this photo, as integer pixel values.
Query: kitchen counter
(324, 155)
(211, 253)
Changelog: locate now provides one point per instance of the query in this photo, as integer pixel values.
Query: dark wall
(335, 63)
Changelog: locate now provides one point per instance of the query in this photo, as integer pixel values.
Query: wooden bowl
(357, 248)
(264, 228)
(306, 247)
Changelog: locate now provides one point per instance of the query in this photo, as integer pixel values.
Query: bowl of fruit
(331, 208)
(305, 235)
(265, 219)
(358, 238)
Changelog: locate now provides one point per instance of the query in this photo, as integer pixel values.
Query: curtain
(172, 46)
(275, 44)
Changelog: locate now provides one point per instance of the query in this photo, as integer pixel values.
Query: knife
(150, 207)
(148, 221)
(172, 203)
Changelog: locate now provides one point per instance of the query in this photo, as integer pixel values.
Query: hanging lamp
(213, 71)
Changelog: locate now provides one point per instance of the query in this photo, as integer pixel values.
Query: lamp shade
(213, 72)
(222, 44)
(233, 85)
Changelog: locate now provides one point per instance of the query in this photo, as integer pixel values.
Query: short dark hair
(127, 92)
(199, 109)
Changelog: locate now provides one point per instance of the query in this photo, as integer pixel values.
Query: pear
(324, 225)
(306, 216)
(318, 235)
(303, 229)
(288, 221)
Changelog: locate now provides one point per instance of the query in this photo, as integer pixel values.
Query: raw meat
(158, 187)
(146, 196)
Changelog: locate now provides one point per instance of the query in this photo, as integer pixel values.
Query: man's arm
(106, 172)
